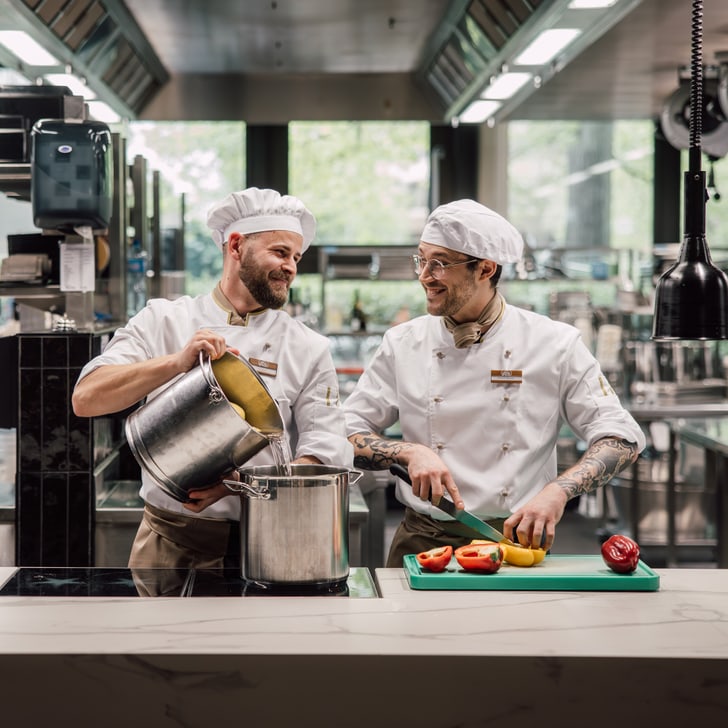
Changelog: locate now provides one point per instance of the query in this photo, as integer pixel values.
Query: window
(202, 160)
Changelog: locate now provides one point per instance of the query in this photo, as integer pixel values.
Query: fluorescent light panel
(11, 77)
(26, 49)
(591, 4)
(546, 46)
(77, 86)
(103, 112)
(506, 85)
(479, 111)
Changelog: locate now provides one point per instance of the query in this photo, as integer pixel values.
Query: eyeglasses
(436, 268)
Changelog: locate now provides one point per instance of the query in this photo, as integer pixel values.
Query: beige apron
(175, 541)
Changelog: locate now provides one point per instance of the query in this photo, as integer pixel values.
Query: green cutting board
(554, 573)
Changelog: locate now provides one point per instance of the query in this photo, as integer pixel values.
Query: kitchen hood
(96, 40)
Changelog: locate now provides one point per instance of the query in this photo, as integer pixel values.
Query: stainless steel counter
(119, 513)
(672, 414)
(712, 436)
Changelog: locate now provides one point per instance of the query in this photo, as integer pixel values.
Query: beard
(258, 282)
(449, 300)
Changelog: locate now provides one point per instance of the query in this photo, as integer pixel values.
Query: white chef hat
(473, 229)
(255, 211)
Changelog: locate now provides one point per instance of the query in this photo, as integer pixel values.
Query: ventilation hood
(97, 40)
(483, 41)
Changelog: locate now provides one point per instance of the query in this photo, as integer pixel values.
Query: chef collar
(472, 332)
(234, 318)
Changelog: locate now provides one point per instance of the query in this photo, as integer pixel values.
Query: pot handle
(216, 394)
(251, 490)
(357, 475)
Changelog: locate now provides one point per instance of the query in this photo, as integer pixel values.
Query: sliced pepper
(435, 559)
(484, 557)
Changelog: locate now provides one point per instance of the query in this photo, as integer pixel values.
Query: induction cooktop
(124, 582)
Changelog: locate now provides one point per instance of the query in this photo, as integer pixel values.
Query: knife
(475, 524)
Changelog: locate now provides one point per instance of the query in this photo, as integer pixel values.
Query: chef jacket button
(506, 398)
(440, 355)
(437, 399)
(439, 446)
(505, 447)
(507, 353)
(504, 493)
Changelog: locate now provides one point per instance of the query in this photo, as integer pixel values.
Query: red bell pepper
(621, 554)
(435, 559)
(483, 557)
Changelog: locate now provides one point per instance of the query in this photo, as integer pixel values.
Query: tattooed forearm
(598, 465)
(374, 452)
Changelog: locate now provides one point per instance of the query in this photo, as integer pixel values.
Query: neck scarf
(471, 332)
(234, 318)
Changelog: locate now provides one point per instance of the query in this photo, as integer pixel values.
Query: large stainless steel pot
(210, 421)
(294, 529)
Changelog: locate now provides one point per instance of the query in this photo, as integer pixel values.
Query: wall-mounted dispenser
(71, 174)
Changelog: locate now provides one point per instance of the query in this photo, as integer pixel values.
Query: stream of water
(281, 453)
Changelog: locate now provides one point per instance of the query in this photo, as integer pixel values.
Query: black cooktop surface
(123, 582)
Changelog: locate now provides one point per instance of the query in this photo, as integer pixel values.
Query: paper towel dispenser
(71, 174)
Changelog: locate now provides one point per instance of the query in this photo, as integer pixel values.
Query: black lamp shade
(691, 298)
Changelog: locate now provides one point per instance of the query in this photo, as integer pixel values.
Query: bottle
(358, 317)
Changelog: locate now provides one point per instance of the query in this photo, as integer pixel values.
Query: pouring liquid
(281, 453)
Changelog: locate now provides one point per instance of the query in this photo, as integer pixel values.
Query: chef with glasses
(481, 390)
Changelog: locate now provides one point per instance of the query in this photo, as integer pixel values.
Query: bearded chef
(481, 390)
(262, 236)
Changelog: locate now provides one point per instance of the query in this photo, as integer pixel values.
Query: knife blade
(475, 524)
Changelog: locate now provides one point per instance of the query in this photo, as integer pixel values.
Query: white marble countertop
(425, 658)
(687, 618)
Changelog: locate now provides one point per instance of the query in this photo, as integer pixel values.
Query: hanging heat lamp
(691, 298)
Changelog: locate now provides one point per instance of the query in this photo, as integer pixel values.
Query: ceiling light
(546, 46)
(11, 77)
(77, 86)
(479, 111)
(506, 85)
(26, 49)
(590, 4)
(101, 111)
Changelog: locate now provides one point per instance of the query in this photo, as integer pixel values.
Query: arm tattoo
(598, 465)
(373, 452)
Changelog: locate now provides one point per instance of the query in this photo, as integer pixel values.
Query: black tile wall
(55, 498)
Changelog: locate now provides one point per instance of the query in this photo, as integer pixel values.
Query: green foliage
(204, 161)
(539, 181)
(366, 182)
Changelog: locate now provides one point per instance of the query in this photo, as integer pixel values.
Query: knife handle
(445, 504)
(401, 472)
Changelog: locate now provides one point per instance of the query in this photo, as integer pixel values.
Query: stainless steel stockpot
(208, 422)
(294, 529)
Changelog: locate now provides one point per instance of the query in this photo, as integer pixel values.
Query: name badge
(506, 376)
(265, 368)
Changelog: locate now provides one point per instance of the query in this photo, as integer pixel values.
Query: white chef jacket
(305, 386)
(492, 411)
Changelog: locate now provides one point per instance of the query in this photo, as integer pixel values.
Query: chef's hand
(205, 497)
(429, 475)
(203, 340)
(534, 524)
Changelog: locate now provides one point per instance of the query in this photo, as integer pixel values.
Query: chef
(262, 236)
(481, 389)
